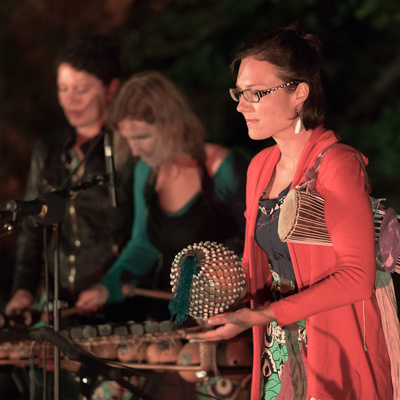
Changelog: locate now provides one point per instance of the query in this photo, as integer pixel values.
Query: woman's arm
(139, 256)
(30, 242)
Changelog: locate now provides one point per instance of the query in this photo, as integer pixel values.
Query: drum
(302, 219)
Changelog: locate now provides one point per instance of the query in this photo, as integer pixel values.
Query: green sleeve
(139, 256)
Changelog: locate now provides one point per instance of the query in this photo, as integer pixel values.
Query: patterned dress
(283, 374)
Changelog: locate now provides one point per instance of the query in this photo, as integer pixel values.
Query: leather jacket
(92, 232)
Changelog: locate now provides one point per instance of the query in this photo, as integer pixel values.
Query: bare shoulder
(215, 155)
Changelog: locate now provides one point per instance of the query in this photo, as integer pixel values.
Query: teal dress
(283, 374)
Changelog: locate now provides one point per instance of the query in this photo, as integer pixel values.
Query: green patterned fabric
(224, 389)
(283, 374)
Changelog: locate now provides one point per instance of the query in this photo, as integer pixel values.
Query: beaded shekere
(206, 279)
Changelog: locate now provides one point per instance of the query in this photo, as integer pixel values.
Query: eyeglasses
(254, 96)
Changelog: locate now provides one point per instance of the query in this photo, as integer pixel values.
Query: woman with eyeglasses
(185, 190)
(316, 324)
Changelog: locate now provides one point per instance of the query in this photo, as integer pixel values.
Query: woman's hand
(92, 299)
(21, 299)
(234, 323)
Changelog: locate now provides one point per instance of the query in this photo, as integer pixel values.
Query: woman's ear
(301, 92)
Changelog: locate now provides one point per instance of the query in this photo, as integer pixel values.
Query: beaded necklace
(269, 212)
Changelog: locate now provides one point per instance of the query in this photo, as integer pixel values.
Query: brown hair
(297, 56)
(149, 96)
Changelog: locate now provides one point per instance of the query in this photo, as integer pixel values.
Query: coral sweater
(346, 352)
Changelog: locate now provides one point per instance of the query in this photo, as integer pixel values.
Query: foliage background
(193, 42)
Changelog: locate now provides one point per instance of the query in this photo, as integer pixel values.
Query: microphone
(110, 169)
(48, 208)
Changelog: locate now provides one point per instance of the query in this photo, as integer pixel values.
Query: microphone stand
(56, 310)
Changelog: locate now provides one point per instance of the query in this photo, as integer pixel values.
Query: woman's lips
(73, 113)
(251, 121)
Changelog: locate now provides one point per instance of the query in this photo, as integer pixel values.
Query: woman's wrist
(263, 316)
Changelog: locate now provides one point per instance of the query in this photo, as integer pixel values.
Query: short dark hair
(297, 56)
(96, 54)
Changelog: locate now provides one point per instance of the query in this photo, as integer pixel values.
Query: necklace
(273, 209)
(269, 212)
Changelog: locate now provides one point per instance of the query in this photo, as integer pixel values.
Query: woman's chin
(256, 135)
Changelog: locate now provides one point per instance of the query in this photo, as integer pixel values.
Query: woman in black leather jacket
(93, 230)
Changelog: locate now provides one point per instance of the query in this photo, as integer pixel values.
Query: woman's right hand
(21, 300)
(92, 299)
(231, 324)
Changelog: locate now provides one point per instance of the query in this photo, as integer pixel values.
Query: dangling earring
(299, 123)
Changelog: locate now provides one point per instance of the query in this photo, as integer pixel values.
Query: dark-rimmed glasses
(254, 96)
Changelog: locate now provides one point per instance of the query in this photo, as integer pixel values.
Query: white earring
(299, 124)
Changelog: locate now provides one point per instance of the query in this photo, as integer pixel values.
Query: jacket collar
(320, 139)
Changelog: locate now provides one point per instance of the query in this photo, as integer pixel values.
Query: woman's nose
(69, 98)
(134, 149)
(243, 105)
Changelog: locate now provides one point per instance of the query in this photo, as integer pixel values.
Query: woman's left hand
(92, 299)
(234, 323)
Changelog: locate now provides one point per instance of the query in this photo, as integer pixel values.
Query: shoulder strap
(312, 173)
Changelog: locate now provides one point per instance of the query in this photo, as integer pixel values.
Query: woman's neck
(84, 135)
(291, 150)
(285, 169)
(184, 161)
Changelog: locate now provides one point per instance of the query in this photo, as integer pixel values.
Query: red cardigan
(346, 351)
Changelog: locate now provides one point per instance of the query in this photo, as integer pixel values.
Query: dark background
(193, 42)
